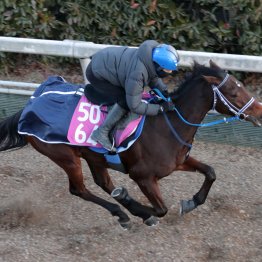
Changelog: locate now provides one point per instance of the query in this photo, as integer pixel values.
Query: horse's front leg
(120, 194)
(199, 198)
(150, 188)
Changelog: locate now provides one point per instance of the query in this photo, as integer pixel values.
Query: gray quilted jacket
(131, 69)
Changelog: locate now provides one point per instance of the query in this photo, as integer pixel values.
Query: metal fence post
(84, 63)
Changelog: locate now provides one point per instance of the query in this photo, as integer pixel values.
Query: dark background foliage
(232, 26)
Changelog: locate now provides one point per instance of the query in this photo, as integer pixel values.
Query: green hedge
(233, 26)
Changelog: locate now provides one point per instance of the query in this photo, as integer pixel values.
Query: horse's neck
(194, 107)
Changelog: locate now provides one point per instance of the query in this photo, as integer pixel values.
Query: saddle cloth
(58, 112)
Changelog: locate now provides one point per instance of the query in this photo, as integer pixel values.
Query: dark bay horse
(162, 148)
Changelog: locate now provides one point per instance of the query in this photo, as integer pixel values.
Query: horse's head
(231, 97)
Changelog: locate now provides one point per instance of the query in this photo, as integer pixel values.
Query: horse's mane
(196, 77)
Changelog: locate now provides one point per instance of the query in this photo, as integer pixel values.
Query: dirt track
(41, 221)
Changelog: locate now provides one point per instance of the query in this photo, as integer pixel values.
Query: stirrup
(113, 149)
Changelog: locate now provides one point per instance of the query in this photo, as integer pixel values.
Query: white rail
(80, 49)
(7, 87)
(83, 51)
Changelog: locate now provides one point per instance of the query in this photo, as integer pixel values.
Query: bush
(216, 26)
(23, 18)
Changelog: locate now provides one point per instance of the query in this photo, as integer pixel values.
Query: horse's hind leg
(77, 188)
(103, 180)
(68, 159)
(199, 198)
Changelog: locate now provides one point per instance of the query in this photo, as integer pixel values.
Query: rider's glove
(166, 106)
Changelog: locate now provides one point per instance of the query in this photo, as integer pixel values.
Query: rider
(118, 76)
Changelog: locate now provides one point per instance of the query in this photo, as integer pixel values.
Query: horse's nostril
(256, 121)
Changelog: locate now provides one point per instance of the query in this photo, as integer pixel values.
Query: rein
(174, 132)
(239, 113)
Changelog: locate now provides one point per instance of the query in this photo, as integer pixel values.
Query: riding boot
(101, 134)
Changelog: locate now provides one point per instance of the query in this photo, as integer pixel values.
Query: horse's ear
(213, 64)
(195, 65)
(212, 80)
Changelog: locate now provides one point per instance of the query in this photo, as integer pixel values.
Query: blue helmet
(166, 56)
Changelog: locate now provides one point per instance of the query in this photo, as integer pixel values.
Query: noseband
(236, 111)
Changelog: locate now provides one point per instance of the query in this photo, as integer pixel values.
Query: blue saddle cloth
(48, 112)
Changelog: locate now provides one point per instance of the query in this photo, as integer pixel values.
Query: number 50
(89, 111)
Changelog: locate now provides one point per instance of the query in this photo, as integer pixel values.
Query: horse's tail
(9, 136)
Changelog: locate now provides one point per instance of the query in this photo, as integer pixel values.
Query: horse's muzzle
(255, 114)
(255, 121)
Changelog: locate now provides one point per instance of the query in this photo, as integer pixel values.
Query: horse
(162, 148)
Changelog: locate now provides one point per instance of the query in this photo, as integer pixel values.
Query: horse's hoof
(151, 221)
(125, 225)
(186, 206)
